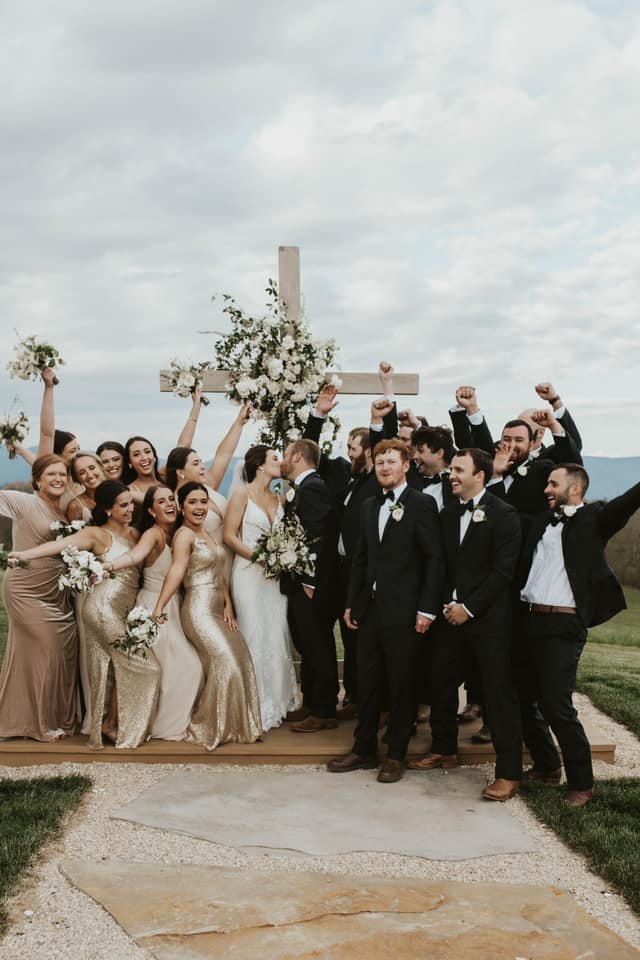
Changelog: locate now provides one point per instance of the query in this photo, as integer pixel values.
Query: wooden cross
(366, 384)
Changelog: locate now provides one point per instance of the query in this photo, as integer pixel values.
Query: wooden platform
(280, 746)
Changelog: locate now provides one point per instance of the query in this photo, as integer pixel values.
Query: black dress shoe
(543, 776)
(391, 771)
(351, 761)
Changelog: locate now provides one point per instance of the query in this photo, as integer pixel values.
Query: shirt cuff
(560, 412)
(376, 427)
(309, 586)
(456, 409)
(466, 609)
(316, 413)
(475, 418)
(429, 616)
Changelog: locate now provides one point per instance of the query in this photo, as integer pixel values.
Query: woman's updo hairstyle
(107, 493)
(129, 475)
(184, 492)
(254, 458)
(177, 460)
(40, 465)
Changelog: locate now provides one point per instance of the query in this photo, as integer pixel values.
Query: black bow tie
(463, 507)
(558, 518)
(389, 495)
(431, 481)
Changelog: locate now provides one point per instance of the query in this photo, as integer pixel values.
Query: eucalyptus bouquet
(32, 356)
(4, 561)
(285, 549)
(60, 529)
(83, 572)
(14, 429)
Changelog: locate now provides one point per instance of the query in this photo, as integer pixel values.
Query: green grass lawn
(32, 812)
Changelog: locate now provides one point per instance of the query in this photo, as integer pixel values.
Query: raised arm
(233, 521)
(188, 431)
(150, 540)
(547, 391)
(89, 538)
(47, 413)
(181, 549)
(227, 447)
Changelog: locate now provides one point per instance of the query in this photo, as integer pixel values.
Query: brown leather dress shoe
(501, 790)
(314, 724)
(543, 776)
(578, 798)
(391, 771)
(295, 716)
(432, 760)
(351, 761)
(483, 735)
(347, 713)
(472, 711)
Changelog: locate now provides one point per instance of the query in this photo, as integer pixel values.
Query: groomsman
(566, 586)
(393, 597)
(312, 600)
(481, 539)
(433, 451)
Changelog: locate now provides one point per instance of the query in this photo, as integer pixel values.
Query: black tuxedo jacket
(526, 493)
(406, 565)
(361, 487)
(448, 495)
(482, 567)
(316, 510)
(335, 471)
(596, 590)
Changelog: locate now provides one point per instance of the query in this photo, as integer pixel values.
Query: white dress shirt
(384, 517)
(548, 582)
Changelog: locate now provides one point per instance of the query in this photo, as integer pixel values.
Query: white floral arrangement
(186, 377)
(32, 356)
(14, 429)
(285, 549)
(141, 632)
(397, 511)
(278, 366)
(479, 515)
(61, 529)
(83, 572)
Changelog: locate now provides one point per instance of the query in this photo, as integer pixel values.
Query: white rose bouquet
(14, 429)
(32, 356)
(60, 529)
(276, 365)
(141, 633)
(83, 572)
(185, 378)
(285, 549)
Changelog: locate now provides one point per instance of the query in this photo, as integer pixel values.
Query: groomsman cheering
(567, 586)
(481, 539)
(393, 597)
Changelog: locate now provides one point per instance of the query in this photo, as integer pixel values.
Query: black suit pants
(311, 623)
(387, 658)
(489, 650)
(549, 651)
(349, 638)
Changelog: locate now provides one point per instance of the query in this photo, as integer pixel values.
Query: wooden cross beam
(363, 384)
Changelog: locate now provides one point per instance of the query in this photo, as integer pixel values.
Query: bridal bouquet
(141, 633)
(83, 572)
(4, 561)
(14, 429)
(32, 355)
(285, 549)
(60, 529)
(186, 377)
(275, 364)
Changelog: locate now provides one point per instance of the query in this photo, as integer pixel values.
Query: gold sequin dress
(229, 707)
(137, 681)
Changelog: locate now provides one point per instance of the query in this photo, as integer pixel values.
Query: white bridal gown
(261, 612)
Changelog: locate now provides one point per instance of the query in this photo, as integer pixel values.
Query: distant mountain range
(609, 475)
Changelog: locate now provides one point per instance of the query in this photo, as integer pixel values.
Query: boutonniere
(397, 511)
(568, 509)
(479, 515)
(523, 469)
(290, 495)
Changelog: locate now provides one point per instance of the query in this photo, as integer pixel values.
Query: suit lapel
(390, 521)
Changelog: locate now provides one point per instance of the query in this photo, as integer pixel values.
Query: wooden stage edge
(280, 746)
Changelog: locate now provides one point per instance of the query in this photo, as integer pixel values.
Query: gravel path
(68, 925)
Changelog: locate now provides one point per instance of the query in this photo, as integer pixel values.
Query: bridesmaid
(111, 455)
(38, 677)
(104, 614)
(181, 671)
(86, 470)
(229, 706)
(140, 467)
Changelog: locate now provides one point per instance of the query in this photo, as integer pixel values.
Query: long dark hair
(145, 521)
(111, 445)
(184, 492)
(60, 439)
(176, 460)
(107, 493)
(129, 475)
(254, 458)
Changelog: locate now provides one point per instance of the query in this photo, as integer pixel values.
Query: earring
(108, 514)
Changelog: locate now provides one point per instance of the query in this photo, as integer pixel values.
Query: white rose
(275, 367)
(288, 342)
(245, 387)
(289, 558)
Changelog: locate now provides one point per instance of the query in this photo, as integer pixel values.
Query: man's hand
(385, 372)
(352, 624)
(422, 623)
(327, 399)
(455, 614)
(309, 591)
(407, 418)
(502, 458)
(466, 397)
(380, 408)
(545, 419)
(547, 391)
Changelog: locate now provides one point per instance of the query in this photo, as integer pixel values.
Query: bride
(261, 610)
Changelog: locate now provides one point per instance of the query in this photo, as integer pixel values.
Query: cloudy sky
(461, 177)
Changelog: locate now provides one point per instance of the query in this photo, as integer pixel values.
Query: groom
(312, 599)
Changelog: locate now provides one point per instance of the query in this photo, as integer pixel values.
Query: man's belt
(545, 608)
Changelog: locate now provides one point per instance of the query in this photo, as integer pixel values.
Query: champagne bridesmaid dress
(137, 681)
(229, 707)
